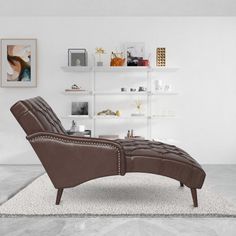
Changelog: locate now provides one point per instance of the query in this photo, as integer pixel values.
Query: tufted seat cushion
(163, 159)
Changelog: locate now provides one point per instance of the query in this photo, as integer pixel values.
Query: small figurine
(138, 105)
(117, 113)
(77, 62)
(75, 86)
(107, 112)
(73, 126)
(142, 89)
(128, 134)
(100, 52)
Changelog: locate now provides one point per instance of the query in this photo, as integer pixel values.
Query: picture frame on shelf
(134, 53)
(79, 109)
(77, 57)
(19, 63)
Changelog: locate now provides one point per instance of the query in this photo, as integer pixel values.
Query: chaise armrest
(71, 160)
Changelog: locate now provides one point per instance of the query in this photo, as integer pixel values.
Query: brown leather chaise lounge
(70, 161)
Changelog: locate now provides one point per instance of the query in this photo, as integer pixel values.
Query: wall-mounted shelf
(163, 69)
(122, 69)
(164, 117)
(78, 93)
(105, 117)
(119, 93)
(164, 93)
(96, 117)
(120, 117)
(118, 69)
(74, 117)
(83, 93)
(77, 68)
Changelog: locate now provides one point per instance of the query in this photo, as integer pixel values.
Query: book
(108, 136)
(75, 90)
(85, 116)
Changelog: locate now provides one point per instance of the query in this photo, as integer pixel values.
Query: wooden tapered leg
(59, 194)
(181, 184)
(194, 196)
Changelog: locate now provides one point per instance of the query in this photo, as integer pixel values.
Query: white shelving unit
(122, 69)
(164, 93)
(75, 117)
(119, 93)
(78, 93)
(77, 68)
(96, 117)
(118, 69)
(94, 93)
(83, 93)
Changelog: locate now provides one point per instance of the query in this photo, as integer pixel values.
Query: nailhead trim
(42, 138)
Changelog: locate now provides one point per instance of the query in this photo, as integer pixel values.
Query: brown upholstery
(70, 161)
(163, 159)
(35, 115)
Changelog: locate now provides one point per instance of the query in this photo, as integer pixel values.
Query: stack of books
(111, 137)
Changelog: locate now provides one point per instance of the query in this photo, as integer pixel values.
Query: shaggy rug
(132, 195)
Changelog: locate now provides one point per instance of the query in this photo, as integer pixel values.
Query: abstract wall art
(18, 62)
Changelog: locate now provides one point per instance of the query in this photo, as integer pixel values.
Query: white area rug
(134, 194)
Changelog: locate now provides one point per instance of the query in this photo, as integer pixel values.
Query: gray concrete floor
(220, 178)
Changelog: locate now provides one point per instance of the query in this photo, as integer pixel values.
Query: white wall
(203, 48)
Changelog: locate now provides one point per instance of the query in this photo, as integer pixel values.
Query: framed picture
(135, 52)
(77, 57)
(79, 109)
(18, 63)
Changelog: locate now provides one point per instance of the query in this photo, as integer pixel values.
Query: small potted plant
(138, 104)
(100, 52)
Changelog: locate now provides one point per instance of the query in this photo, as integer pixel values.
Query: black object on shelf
(86, 133)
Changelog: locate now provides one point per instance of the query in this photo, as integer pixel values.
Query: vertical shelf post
(93, 100)
(149, 105)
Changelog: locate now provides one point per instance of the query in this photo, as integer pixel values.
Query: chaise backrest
(35, 115)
